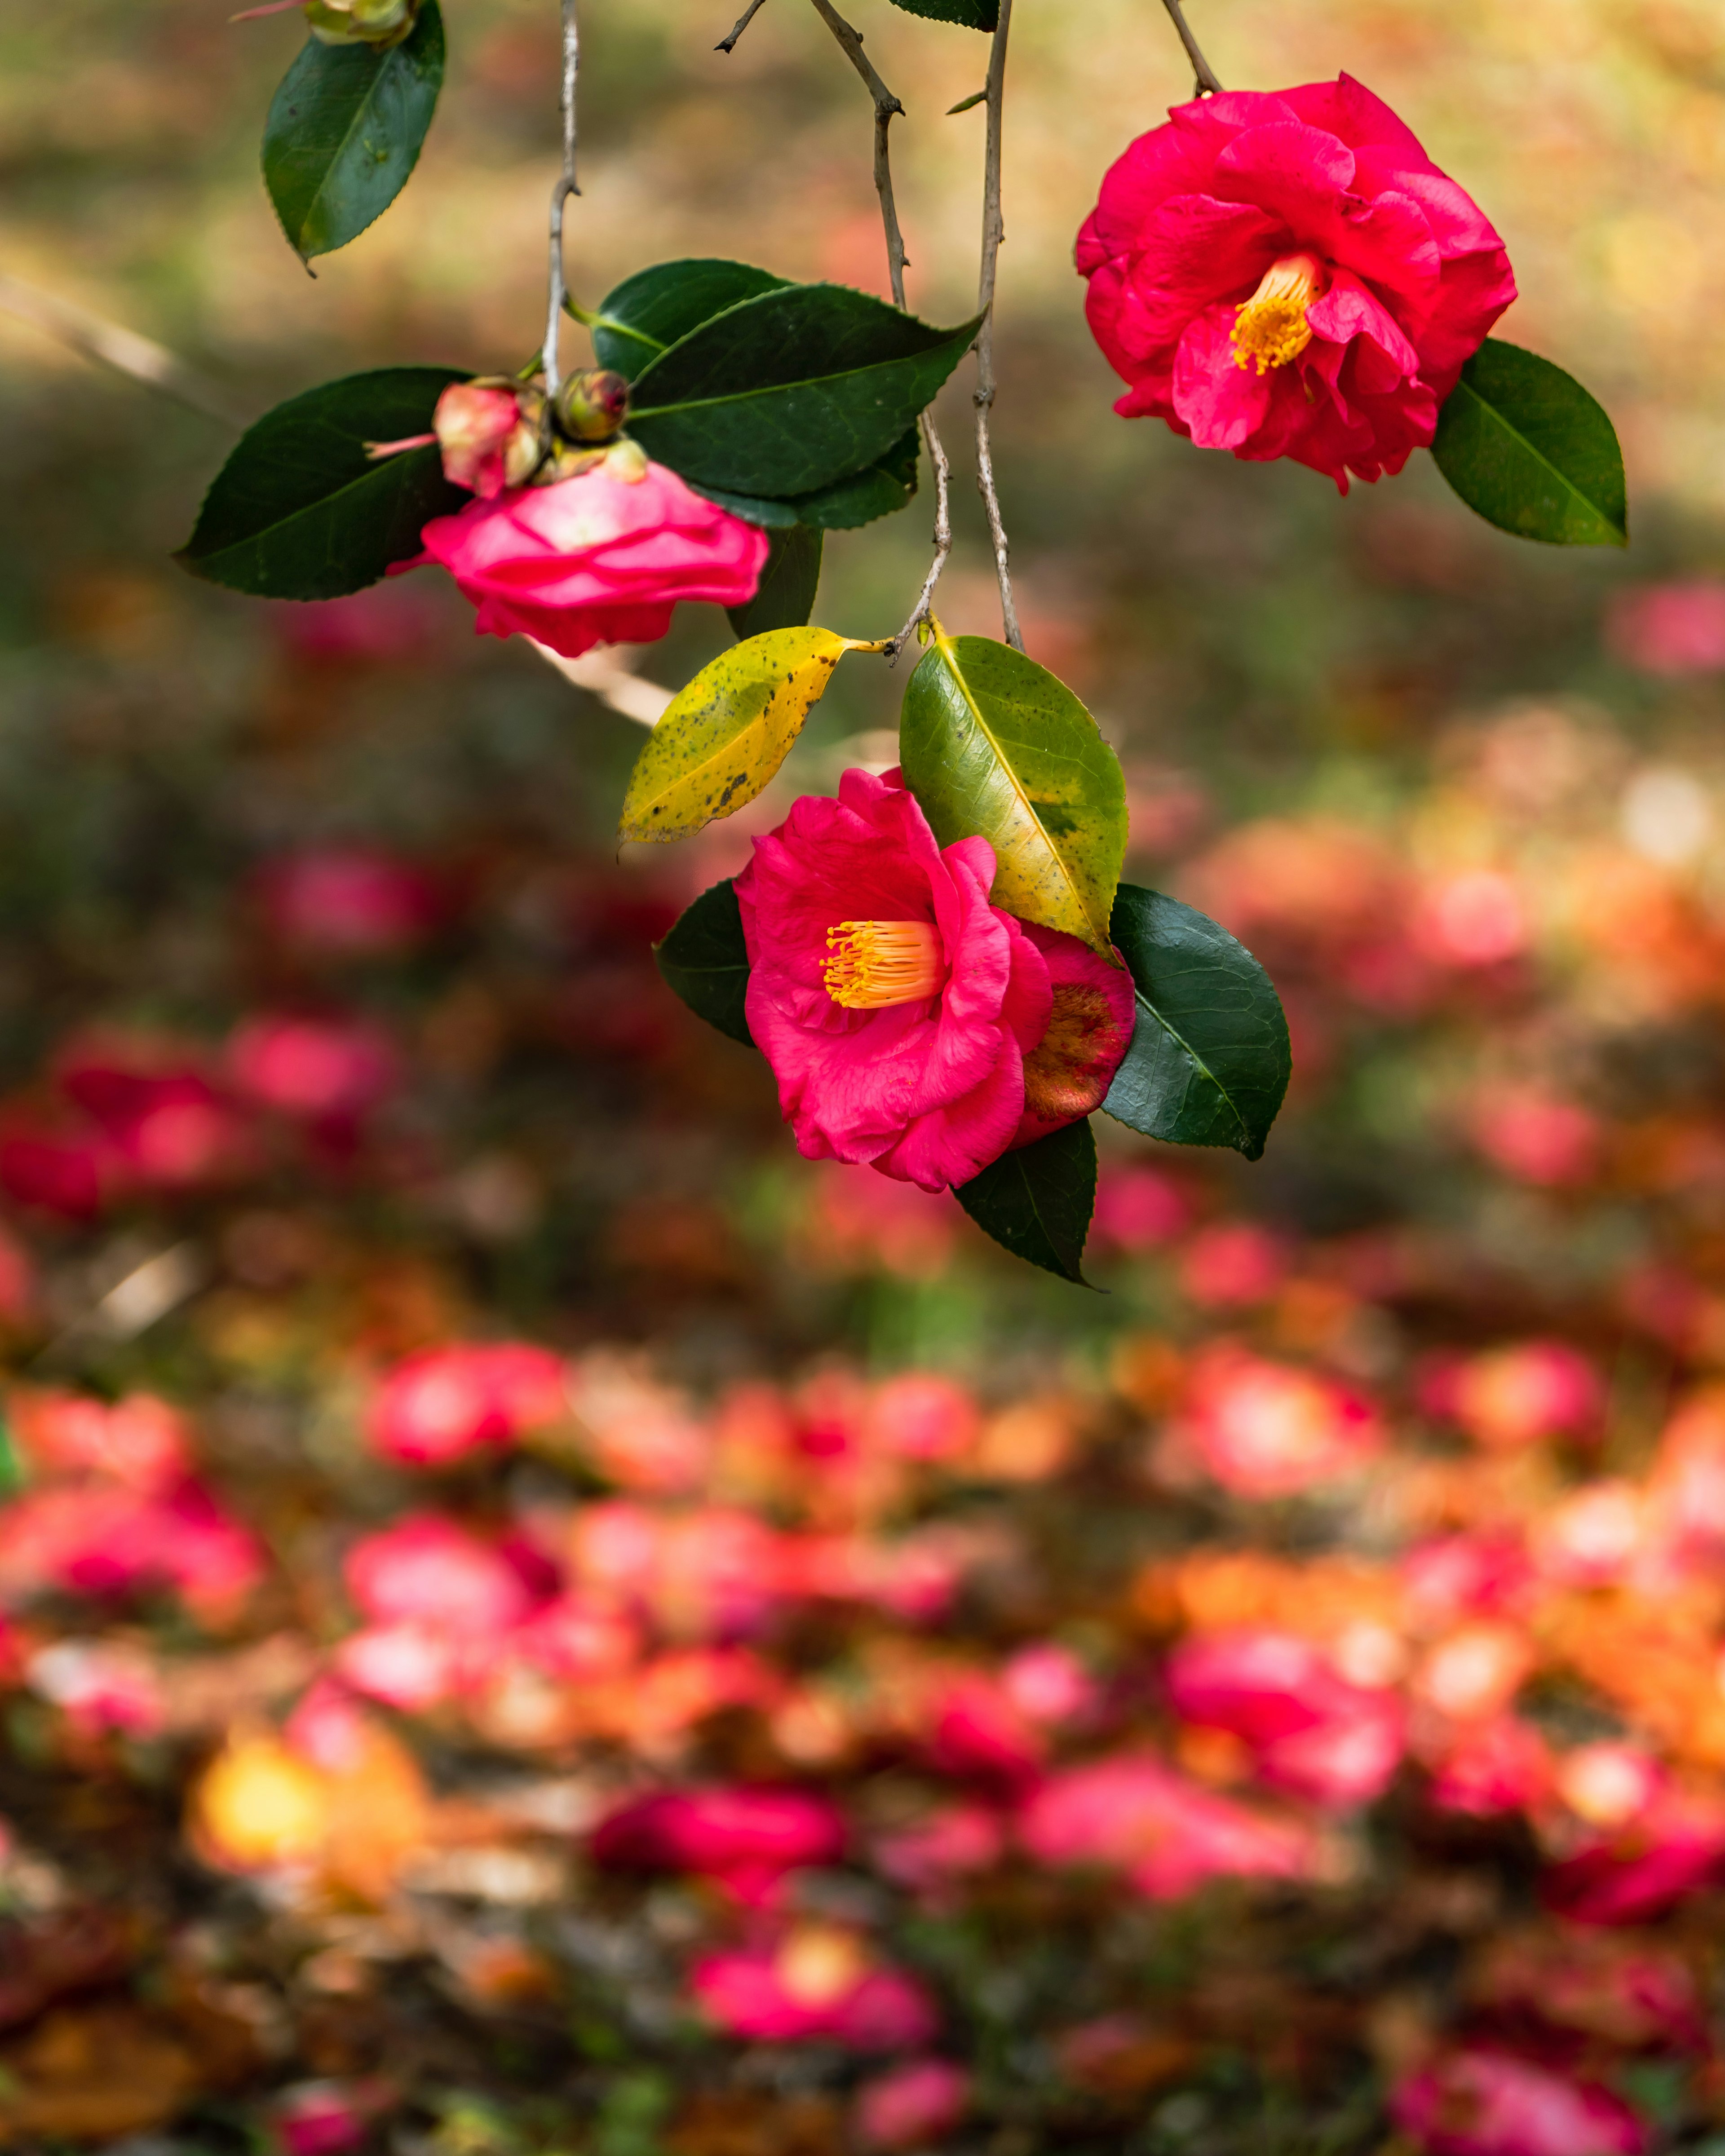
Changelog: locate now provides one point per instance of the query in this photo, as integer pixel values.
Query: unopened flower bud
(361, 22)
(488, 431)
(593, 405)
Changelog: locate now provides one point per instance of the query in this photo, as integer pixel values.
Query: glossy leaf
(880, 489)
(648, 313)
(345, 131)
(1208, 1062)
(299, 511)
(705, 961)
(785, 596)
(973, 14)
(1037, 1201)
(791, 391)
(994, 746)
(1525, 446)
(723, 739)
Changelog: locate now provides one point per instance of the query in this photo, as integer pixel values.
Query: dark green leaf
(881, 489)
(973, 14)
(784, 598)
(788, 391)
(1037, 1201)
(299, 512)
(705, 961)
(344, 130)
(994, 746)
(650, 311)
(878, 490)
(1208, 1062)
(1525, 446)
(752, 508)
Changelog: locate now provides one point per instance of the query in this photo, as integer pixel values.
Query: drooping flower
(902, 1013)
(599, 558)
(1290, 274)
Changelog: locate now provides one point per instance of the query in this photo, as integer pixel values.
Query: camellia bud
(593, 405)
(488, 431)
(361, 22)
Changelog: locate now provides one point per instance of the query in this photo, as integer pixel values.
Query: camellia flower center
(1271, 328)
(876, 963)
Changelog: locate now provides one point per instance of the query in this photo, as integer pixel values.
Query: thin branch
(993, 232)
(729, 44)
(567, 185)
(887, 108)
(141, 358)
(1206, 84)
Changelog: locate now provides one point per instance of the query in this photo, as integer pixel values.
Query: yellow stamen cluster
(1271, 328)
(877, 963)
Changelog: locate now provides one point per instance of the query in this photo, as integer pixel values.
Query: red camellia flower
(910, 1024)
(1290, 275)
(745, 1839)
(600, 558)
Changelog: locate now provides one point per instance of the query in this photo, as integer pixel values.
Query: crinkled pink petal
(1222, 405)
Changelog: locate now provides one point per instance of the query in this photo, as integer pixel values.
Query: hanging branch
(567, 185)
(729, 44)
(993, 232)
(1206, 84)
(887, 106)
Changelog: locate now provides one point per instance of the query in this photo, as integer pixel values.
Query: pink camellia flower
(1487, 2103)
(1132, 1813)
(1289, 274)
(915, 2105)
(1269, 1429)
(1233, 1263)
(429, 1569)
(347, 901)
(1308, 1729)
(1488, 1768)
(446, 1402)
(904, 1015)
(137, 1440)
(316, 1068)
(745, 1839)
(1512, 1396)
(948, 1844)
(1670, 630)
(819, 1984)
(1673, 1847)
(600, 558)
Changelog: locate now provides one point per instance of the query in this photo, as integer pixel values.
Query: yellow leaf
(723, 739)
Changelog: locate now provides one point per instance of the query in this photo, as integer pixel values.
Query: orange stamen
(877, 963)
(1271, 328)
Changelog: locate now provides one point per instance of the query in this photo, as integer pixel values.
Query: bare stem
(729, 44)
(139, 358)
(993, 232)
(567, 185)
(886, 107)
(1206, 84)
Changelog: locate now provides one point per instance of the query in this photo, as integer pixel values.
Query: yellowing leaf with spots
(994, 746)
(723, 738)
